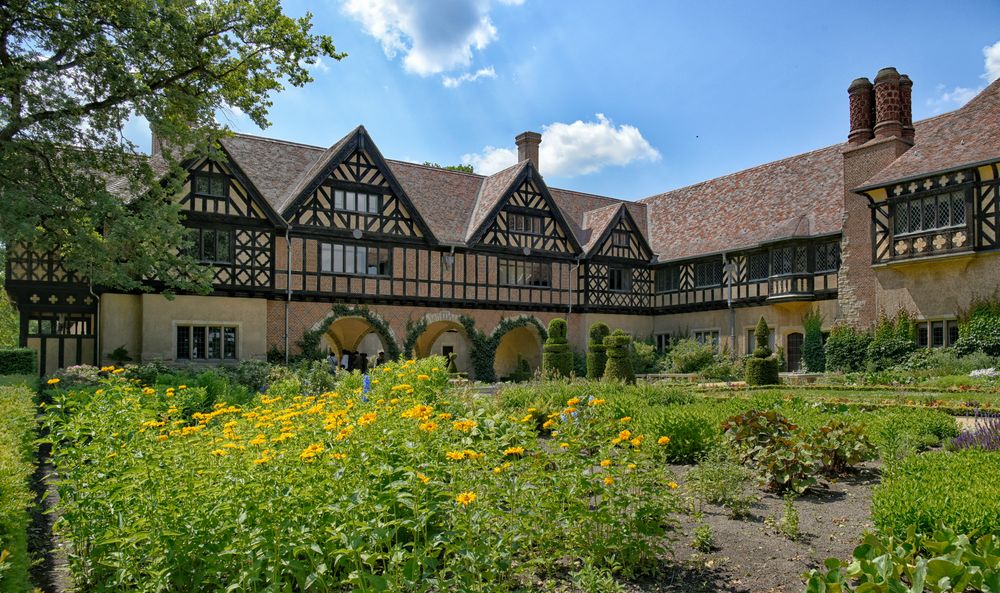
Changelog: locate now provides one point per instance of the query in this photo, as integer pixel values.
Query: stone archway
(352, 333)
(440, 334)
(522, 342)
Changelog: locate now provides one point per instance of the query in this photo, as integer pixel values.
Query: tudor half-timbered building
(369, 253)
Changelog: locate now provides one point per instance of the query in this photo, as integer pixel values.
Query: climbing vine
(311, 339)
(414, 329)
(482, 353)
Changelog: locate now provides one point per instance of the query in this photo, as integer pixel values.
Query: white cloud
(453, 81)
(578, 148)
(434, 36)
(992, 53)
(317, 66)
(960, 95)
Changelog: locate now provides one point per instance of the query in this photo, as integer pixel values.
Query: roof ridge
(438, 168)
(278, 141)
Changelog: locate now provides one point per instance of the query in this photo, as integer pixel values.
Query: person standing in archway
(363, 363)
(345, 361)
(331, 359)
(380, 359)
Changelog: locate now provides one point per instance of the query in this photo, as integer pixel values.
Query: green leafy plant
(597, 358)
(596, 579)
(943, 561)
(979, 328)
(838, 445)
(721, 480)
(813, 354)
(619, 365)
(704, 539)
(557, 358)
(788, 524)
(846, 349)
(768, 442)
(689, 356)
(762, 368)
(18, 361)
(644, 357)
(893, 341)
(17, 433)
(120, 355)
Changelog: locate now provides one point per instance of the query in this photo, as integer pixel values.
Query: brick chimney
(862, 111)
(527, 147)
(888, 104)
(906, 107)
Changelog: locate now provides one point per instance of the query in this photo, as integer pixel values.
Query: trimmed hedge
(17, 432)
(597, 357)
(847, 349)
(557, 358)
(17, 361)
(762, 368)
(619, 365)
(940, 488)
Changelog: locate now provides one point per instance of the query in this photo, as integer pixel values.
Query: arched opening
(794, 351)
(520, 343)
(442, 338)
(354, 334)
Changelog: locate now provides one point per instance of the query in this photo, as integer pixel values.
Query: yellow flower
(162, 437)
(118, 371)
(367, 419)
(423, 478)
(595, 402)
(673, 485)
(344, 433)
(148, 391)
(463, 425)
(609, 481)
(465, 498)
(638, 440)
(497, 470)
(219, 452)
(526, 418)
(564, 445)
(605, 463)
(99, 392)
(428, 426)
(257, 440)
(434, 370)
(663, 441)
(423, 377)
(470, 454)
(514, 451)
(445, 416)
(338, 456)
(52, 381)
(549, 424)
(107, 368)
(455, 455)
(625, 419)
(182, 387)
(311, 451)
(572, 401)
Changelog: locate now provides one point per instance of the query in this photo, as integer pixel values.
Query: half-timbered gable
(620, 238)
(216, 189)
(521, 217)
(351, 188)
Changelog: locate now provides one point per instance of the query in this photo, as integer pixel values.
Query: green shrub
(81, 375)
(557, 358)
(644, 357)
(693, 429)
(768, 442)
(812, 346)
(762, 368)
(979, 328)
(17, 361)
(120, 355)
(252, 374)
(898, 433)
(839, 445)
(846, 349)
(721, 480)
(958, 490)
(893, 341)
(724, 369)
(17, 431)
(596, 351)
(619, 366)
(521, 372)
(688, 356)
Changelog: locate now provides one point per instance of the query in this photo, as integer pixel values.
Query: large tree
(73, 73)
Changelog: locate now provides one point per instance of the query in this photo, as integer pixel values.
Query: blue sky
(633, 98)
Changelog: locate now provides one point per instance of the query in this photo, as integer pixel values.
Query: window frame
(195, 176)
(620, 238)
(339, 201)
(522, 269)
(529, 220)
(328, 249)
(672, 282)
(908, 204)
(192, 330)
(624, 283)
(699, 266)
(199, 244)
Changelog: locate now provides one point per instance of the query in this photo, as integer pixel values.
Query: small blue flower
(366, 388)
(562, 417)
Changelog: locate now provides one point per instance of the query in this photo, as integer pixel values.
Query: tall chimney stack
(862, 111)
(906, 107)
(888, 104)
(527, 147)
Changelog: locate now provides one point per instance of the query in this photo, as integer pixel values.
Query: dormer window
(525, 223)
(620, 238)
(351, 201)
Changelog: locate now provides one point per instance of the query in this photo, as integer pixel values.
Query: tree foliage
(812, 346)
(459, 168)
(74, 74)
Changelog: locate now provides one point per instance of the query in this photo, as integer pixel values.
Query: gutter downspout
(98, 343)
(288, 282)
(573, 279)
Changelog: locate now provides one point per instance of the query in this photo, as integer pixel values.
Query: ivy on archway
(414, 329)
(484, 348)
(311, 339)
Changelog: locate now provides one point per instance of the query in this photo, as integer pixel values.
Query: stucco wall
(161, 316)
(121, 325)
(937, 288)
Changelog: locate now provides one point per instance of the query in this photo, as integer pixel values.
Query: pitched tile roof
(309, 174)
(273, 166)
(968, 135)
(492, 189)
(596, 221)
(444, 197)
(798, 196)
(575, 205)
